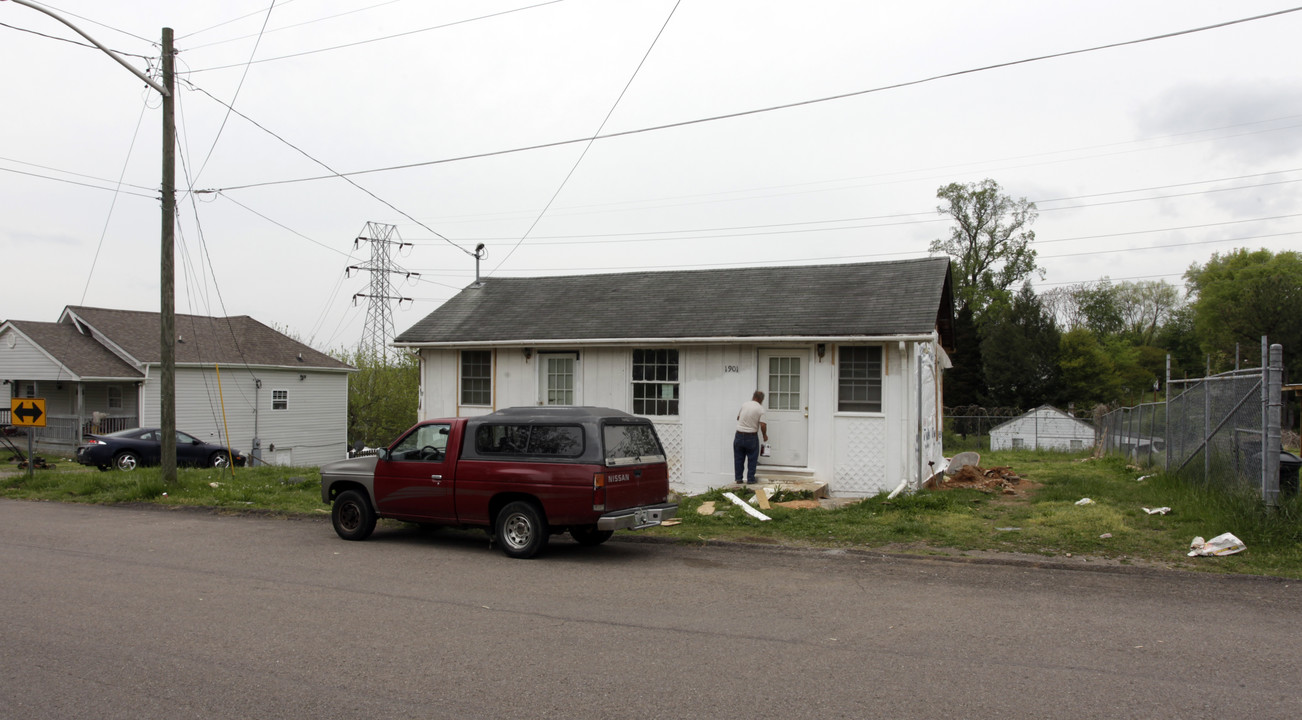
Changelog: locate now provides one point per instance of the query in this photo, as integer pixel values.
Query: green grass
(1046, 522)
(276, 489)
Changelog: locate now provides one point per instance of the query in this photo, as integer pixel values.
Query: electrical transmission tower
(378, 330)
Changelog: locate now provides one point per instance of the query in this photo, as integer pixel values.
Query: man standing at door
(746, 443)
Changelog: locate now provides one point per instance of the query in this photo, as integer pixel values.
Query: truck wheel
(352, 516)
(589, 535)
(521, 529)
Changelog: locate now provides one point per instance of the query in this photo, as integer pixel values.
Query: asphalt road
(141, 613)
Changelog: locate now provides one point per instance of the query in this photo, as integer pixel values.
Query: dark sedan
(129, 449)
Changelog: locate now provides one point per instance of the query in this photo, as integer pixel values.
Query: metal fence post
(1207, 424)
(1273, 390)
(1167, 407)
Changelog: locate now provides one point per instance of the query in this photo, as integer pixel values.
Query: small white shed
(1044, 428)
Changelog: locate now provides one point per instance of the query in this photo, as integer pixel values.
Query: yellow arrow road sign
(27, 412)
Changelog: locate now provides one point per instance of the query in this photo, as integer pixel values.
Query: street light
(167, 303)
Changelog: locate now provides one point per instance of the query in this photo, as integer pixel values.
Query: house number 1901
(732, 368)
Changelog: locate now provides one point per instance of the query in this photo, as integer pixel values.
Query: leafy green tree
(965, 383)
(382, 396)
(1145, 307)
(1177, 336)
(990, 242)
(1087, 373)
(1100, 308)
(1243, 295)
(1020, 348)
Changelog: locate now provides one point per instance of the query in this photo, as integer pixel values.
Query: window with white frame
(655, 382)
(114, 397)
(859, 378)
(279, 399)
(477, 377)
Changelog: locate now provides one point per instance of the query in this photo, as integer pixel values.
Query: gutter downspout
(918, 410)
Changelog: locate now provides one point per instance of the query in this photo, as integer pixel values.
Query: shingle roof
(81, 354)
(904, 297)
(235, 340)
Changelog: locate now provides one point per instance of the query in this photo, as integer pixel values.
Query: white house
(98, 371)
(850, 357)
(1044, 428)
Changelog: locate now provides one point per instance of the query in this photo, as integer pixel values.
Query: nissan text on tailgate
(521, 474)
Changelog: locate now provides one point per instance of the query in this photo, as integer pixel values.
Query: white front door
(558, 379)
(783, 379)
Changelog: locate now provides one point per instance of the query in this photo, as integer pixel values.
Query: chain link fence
(1222, 428)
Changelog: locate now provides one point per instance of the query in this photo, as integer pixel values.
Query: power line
(386, 37)
(761, 192)
(231, 107)
(232, 20)
(80, 184)
(117, 182)
(70, 41)
(341, 176)
(109, 217)
(284, 27)
(771, 108)
(796, 227)
(588, 146)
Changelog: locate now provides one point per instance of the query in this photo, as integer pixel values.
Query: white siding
(1044, 428)
(856, 454)
(25, 361)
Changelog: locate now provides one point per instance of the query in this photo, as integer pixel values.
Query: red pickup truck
(522, 474)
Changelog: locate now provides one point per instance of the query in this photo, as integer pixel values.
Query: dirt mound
(995, 480)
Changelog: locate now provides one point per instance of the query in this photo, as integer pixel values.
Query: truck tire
(521, 530)
(589, 535)
(352, 516)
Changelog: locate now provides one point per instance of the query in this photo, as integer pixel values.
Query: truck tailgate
(636, 485)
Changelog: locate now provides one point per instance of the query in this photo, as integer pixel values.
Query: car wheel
(219, 460)
(521, 530)
(589, 535)
(126, 461)
(352, 516)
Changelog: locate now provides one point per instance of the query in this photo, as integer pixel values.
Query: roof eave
(750, 339)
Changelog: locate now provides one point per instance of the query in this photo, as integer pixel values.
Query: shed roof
(80, 354)
(905, 297)
(1043, 409)
(238, 340)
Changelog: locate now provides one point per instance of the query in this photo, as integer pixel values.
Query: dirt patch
(1000, 481)
(800, 504)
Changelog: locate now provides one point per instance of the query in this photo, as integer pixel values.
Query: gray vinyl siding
(312, 431)
(24, 361)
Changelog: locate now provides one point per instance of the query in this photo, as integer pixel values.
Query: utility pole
(167, 317)
(167, 270)
(378, 330)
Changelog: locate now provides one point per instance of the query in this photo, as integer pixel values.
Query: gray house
(850, 357)
(98, 371)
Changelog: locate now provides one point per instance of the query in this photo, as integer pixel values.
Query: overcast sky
(1142, 158)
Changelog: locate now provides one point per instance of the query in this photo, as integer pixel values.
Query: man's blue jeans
(745, 446)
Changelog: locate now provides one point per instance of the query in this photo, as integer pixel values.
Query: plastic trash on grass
(1157, 511)
(1225, 544)
(1084, 501)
